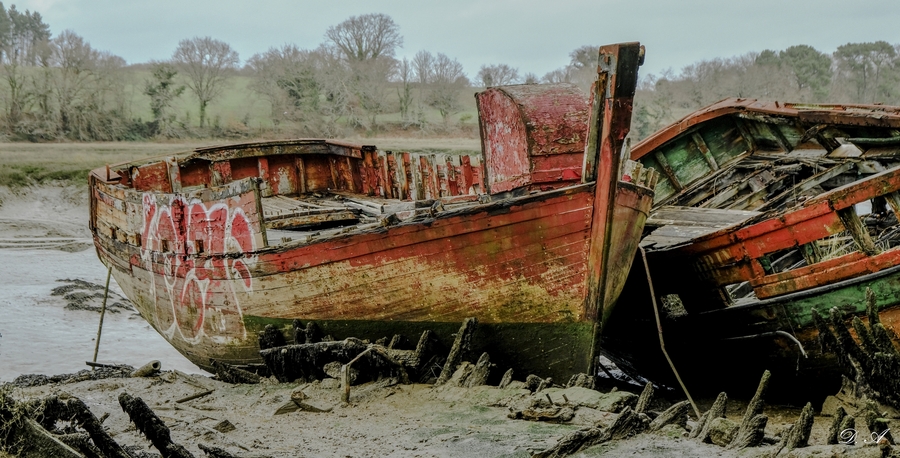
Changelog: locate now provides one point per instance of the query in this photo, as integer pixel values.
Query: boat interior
(754, 175)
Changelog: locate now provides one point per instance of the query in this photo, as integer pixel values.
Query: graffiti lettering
(196, 286)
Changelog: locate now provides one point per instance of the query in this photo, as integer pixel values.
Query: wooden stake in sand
(102, 313)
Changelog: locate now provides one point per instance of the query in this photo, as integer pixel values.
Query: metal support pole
(102, 313)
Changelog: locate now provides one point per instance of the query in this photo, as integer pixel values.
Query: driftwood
(753, 423)
(878, 427)
(194, 396)
(54, 408)
(230, 374)
(583, 380)
(271, 337)
(82, 443)
(151, 368)
(34, 425)
(311, 333)
(834, 430)
(506, 379)
(846, 434)
(480, 372)
(701, 430)
(37, 442)
(152, 427)
(545, 383)
(461, 345)
(645, 398)
(532, 382)
(543, 410)
(797, 435)
(627, 424)
(675, 415)
(308, 361)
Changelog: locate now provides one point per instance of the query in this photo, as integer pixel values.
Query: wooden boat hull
(390, 243)
(518, 266)
(754, 196)
(728, 349)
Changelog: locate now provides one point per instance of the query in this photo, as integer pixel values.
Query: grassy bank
(22, 164)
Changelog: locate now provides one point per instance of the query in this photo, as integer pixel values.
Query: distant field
(29, 163)
(239, 104)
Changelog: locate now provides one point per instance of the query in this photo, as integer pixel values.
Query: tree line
(59, 87)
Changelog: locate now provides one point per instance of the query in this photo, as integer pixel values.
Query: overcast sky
(533, 36)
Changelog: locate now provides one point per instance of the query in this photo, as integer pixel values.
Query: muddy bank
(385, 418)
(52, 288)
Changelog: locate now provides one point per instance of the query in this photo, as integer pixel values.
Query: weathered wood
(270, 337)
(878, 426)
(717, 410)
(667, 170)
(506, 379)
(847, 431)
(39, 443)
(799, 433)
(704, 150)
(834, 431)
(627, 424)
(480, 372)
(147, 370)
(230, 374)
(307, 361)
(677, 414)
(583, 380)
(722, 431)
(152, 427)
(461, 345)
(545, 383)
(194, 396)
(645, 398)
(857, 230)
(750, 433)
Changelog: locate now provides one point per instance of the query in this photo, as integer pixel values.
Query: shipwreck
(534, 239)
(765, 215)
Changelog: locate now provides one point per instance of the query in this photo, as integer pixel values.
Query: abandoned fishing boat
(535, 239)
(764, 211)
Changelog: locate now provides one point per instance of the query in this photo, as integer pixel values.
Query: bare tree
(422, 65)
(560, 75)
(366, 37)
(207, 63)
(448, 79)
(370, 88)
(498, 75)
(405, 74)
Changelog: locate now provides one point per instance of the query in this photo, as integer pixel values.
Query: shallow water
(37, 333)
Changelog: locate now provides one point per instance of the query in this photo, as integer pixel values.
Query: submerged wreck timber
(535, 240)
(764, 213)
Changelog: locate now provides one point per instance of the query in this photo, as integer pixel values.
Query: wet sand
(43, 239)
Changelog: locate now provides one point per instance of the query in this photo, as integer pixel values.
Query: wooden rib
(667, 170)
(704, 150)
